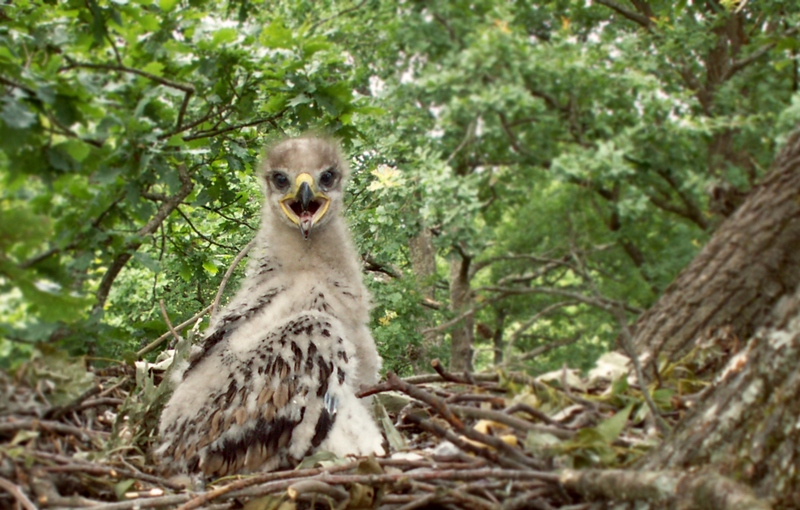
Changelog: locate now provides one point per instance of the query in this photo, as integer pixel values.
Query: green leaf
(176, 141)
(299, 99)
(167, 5)
(16, 114)
(211, 267)
(611, 428)
(123, 486)
(224, 35)
(77, 149)
(147, 261)
(276, 35)
(154, 68)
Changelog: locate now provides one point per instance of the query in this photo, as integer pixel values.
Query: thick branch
(636, 17)
(673, 489)
(740, 64)
(165, 210)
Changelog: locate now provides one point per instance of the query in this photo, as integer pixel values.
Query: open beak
(305, 205)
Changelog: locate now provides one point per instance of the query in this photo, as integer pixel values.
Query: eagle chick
(277, 374)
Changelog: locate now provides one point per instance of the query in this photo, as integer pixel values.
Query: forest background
(527, 177)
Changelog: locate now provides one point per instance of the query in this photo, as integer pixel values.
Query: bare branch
(533, 320)
(165, 210)
(215, 132)
(15, 491)
(740, 64)
(164, 313)
(340, 13)
(186, 87)
(599, 302)
(11, 83)
(636, 17)
(236, 260)
(155, 343)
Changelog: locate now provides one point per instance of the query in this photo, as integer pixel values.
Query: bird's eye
(280, 180)
(327, 178)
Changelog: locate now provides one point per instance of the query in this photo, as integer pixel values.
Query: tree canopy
(525, 175)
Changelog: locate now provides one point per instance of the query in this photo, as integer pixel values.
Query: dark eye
(280, 180)
(327, 178)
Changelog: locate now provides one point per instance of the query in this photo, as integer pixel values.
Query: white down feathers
(277, 374)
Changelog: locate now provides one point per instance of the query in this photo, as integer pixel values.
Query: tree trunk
(460, 301)
(745, 280)
(745, 426)
(751, 262)
(423, 262)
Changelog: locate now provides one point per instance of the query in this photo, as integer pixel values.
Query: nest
(480, 441)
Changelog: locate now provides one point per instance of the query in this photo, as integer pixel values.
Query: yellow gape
(305, 204)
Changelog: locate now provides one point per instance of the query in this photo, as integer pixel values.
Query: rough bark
(745, 427)
(750, 263)
(460, 301)
(742, 287)
(423, 262)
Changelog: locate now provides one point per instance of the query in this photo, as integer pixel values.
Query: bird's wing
(265, 406)
(232, 317)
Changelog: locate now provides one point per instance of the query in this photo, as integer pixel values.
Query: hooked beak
(305, 205)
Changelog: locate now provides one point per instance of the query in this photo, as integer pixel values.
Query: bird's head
(304, 180)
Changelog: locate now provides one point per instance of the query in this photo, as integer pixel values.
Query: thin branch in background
(512, 137)
(340, 13)
(229, 218)
(215, 132)
(627, 344)
(374, 265)
(127, 252)
(740, 64)
(155, 343)
(530, 322)
(114, 48)
(469, 137)
(186, 87)
(200, 234)
(172, 330)
(636, 17)
(538, 351)
(11, 83)
(600, 302)
(238, 258)
(182, 113)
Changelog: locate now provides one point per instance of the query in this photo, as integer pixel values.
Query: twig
(57, 412)
(627, 344)
(51, 426)
(234, 264)
(164, 313)
(511, 421)
(20, 496)
(441, 407)
(202, 499)
(316, 487)
(155, 343)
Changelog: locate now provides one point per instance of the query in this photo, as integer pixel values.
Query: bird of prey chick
(278, 371)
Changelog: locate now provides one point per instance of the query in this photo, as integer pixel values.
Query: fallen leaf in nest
(270, 503)
(493, 428)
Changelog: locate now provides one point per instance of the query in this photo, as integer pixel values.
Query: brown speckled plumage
(276, 375)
